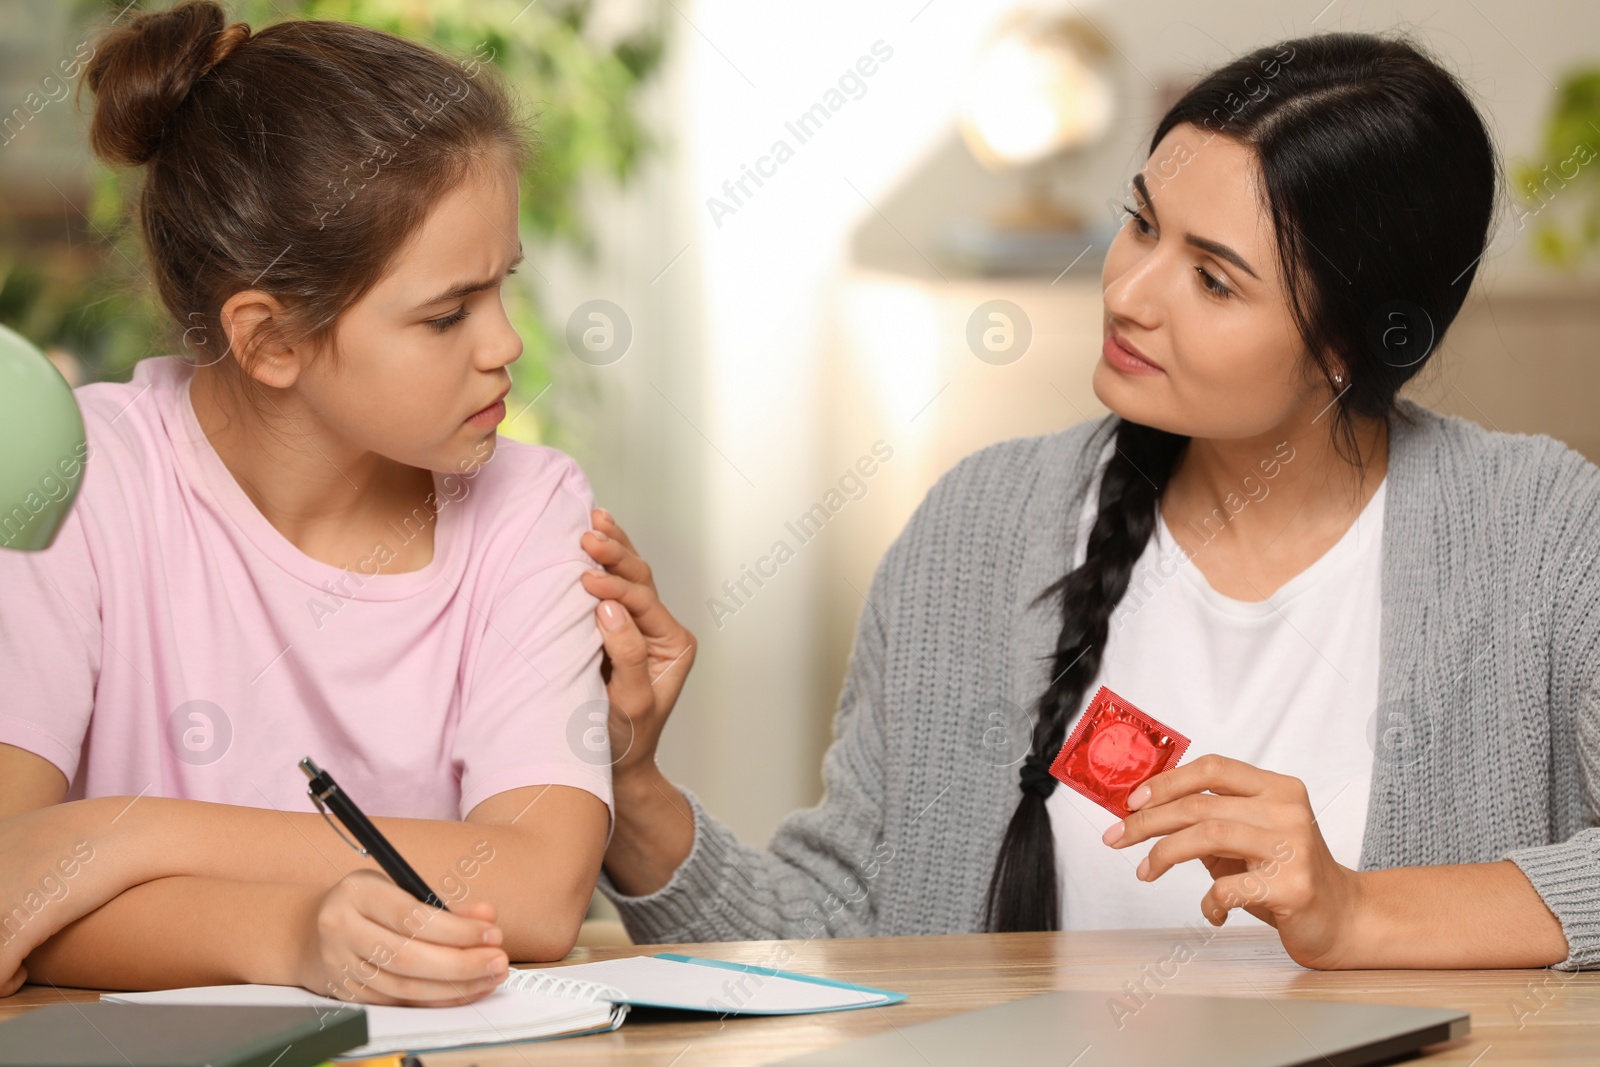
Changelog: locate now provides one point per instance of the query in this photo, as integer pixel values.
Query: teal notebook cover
(772, 972)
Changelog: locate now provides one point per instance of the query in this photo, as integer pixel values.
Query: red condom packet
(1113, 750)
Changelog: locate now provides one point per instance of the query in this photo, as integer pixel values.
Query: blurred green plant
(582, 85)
(1561, 188)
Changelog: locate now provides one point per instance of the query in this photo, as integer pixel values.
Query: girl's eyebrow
(456, 292)
(1205, 244)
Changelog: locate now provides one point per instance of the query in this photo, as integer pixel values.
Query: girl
(303, 537)
(1262, 547)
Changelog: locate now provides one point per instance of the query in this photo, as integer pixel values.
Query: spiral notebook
(534, 1004)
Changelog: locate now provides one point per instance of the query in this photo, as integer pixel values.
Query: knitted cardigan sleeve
(815, 877)
(1566, 873)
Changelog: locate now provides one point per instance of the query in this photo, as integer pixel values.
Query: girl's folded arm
(363, 940)
(174, 932)
(533, 852)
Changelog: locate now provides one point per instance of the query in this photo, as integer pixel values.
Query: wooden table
(1518, 1017)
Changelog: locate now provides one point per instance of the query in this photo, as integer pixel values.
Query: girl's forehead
(468, 236)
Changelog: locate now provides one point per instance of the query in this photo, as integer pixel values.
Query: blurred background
(770, 241)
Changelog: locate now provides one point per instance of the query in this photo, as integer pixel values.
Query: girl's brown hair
(295, 161)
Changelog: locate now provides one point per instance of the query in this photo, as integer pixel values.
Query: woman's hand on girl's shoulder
(648, 651)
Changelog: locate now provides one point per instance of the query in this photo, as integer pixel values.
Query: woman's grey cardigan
(1489, 707)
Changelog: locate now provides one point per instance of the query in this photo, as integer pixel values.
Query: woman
(303, 538)
(1262, 547)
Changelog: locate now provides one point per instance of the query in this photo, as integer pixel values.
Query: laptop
(1087, 1029)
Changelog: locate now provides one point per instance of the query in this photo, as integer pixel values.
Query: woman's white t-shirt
(1288, 684)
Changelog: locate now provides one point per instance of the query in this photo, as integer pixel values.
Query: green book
(147, 1035)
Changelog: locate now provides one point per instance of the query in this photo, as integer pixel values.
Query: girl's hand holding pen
(368, 941)
(387, 939)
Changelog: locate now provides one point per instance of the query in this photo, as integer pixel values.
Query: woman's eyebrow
(1205, 244)
(456, 292)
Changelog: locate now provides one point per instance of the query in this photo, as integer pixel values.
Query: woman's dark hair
(297, 160)
(1380, 178)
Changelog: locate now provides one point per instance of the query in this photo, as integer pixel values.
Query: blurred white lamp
(1041, 90)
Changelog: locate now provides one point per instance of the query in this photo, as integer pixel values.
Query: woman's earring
(1338, 379)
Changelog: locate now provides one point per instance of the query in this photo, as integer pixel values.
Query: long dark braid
(1023, 889)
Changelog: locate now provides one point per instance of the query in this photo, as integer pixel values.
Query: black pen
(324, 791)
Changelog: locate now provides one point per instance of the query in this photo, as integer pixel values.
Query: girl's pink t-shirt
(172, 642)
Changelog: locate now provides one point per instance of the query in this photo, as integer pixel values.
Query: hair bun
(142, 72)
